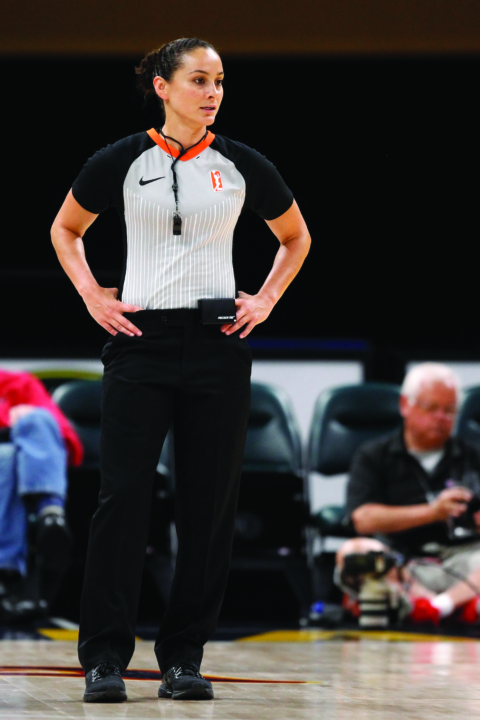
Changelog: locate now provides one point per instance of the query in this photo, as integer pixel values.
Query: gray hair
(427, 374)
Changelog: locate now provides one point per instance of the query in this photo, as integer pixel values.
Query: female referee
(179, 191)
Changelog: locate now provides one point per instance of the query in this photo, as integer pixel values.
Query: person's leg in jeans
(41, 460)
(32, 465)
(13, 516)
(210, 422)
(41, 475)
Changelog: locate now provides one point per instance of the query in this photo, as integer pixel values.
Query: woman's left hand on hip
(251, 310)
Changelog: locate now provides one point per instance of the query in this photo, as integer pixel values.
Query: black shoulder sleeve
(100, 182)
(366, 483)
(93, 187)
(266, 192)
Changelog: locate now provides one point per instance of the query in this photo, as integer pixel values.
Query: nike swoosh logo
(145, 182)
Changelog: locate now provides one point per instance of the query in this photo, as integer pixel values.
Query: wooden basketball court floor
(329, 675)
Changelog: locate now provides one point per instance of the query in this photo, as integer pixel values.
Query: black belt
(154, 318)
(214, 311)
(179, 316)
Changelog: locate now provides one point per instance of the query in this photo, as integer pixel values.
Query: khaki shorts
(448, 568)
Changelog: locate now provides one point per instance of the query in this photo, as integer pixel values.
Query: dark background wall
(382, 154)
(250, 27)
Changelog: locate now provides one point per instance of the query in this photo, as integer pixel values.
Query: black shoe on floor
(18, 609)
(10, 582)
(53, 542)
(17, 602)
(184, 682)
(104, 685)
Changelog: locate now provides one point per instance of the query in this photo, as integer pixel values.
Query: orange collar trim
(158, 139)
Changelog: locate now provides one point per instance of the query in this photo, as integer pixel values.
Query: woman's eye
(199, 80)
(219, 83)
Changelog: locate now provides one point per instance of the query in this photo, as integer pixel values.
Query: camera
(365, 574)
(465, 525)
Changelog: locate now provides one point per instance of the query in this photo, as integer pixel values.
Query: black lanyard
(177, 217)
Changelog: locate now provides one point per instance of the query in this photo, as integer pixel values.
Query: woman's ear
(160, 86)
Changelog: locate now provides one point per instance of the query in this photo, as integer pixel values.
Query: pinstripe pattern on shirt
(172, 271)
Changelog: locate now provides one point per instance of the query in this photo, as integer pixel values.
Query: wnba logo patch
(216, 180)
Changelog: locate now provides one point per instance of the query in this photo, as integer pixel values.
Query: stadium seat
(272, 444)
(273, 439)
(80, 402)
(52, 378)
(468, 419)
(344, 418)
(272, 509)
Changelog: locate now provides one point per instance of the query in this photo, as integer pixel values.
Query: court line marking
(58, 633)
(64, 624)
(64, 634)
(306, 636)
(144, 675)
(302, 636)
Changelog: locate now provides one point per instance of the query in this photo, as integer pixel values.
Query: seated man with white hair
(411, 491)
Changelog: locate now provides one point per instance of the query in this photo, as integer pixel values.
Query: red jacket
(23, 389)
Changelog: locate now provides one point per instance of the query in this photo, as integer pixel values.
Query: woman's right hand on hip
(103, 306)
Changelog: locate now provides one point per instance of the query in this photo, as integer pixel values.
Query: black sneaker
(18, 609)
(184, 682)
(104, 684)
(53, 541)
(10, 582)
(53, 553)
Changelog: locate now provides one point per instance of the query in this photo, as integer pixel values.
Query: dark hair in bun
(164, 61)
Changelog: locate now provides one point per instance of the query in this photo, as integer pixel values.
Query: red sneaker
(469, 612)
(423, 612)
(350, 605)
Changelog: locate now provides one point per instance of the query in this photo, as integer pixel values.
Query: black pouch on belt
(217, 311)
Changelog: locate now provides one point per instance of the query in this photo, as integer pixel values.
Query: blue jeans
(34, 461)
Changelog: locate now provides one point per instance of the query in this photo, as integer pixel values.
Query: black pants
(200, 378)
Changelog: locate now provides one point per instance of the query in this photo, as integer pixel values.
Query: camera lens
(374, 602)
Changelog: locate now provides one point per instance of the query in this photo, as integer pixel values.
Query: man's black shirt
(384, 472)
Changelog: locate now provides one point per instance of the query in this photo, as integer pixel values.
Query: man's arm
(366, 498)
(373, 518)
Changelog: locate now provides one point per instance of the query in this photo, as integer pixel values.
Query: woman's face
(195, 91)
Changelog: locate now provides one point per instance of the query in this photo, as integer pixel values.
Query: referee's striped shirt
(216, 180)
